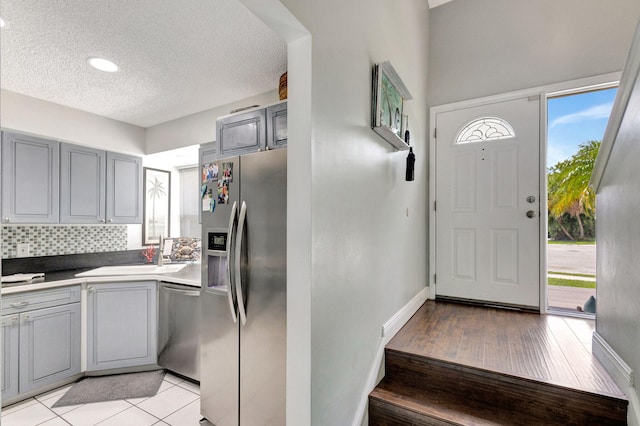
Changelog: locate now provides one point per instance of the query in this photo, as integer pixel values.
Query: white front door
(488, 203)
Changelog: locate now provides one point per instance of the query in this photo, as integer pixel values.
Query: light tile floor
(177, 403)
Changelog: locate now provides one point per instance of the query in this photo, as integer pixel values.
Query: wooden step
(425, 391)
(395, 405)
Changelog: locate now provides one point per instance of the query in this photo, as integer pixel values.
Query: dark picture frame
(156, 220)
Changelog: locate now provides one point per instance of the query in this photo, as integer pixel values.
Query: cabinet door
(121, 325)
(277, 126)
(30, 181)
(124, 188)
(208, 154)
(9, 356)
(241, 134)
(49, 346)
(82, 184)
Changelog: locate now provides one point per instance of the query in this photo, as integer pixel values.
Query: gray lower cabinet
(277, 126)
(49, 346)
(41, 340)
(30, 179)
(83, 178)
(121, 325)
(10, 351)
(124, 188)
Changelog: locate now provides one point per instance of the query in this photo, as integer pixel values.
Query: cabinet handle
(19, 305)
(13, 321)
(110, 220)
(26, 318)
(101, 220)
(91, 289)
(6, 219)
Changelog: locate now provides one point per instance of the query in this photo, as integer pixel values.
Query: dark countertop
(189, 275)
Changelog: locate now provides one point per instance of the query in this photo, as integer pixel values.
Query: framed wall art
(387, 104)
(157, 204)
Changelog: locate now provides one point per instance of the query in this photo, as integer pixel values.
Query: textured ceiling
(176, 57)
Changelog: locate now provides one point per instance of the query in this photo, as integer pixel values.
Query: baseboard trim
(389, 329)
(633, 412)
(400, 318)
(621, 373)
(611, 361)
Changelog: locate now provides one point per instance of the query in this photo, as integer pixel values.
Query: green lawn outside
(572, 274)
(571, 283)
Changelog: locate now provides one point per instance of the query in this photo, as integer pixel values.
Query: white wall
(368, 257)
(484, 47)
(618, 232)
(41, 118)
(198, 128)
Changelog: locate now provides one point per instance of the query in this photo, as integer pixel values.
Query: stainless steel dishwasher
(179, 329)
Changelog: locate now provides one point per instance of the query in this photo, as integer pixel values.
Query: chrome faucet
(160, 250)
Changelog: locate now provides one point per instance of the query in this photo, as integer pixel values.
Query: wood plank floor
(546, 348)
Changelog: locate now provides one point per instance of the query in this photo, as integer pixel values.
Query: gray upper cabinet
(83, 179)
(30, 179)
(241, 133)
(122, 325)
(46, 181)
(124, 188)
(277, 126)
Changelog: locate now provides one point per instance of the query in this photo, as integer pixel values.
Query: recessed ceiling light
(102, 64)
(1, 23)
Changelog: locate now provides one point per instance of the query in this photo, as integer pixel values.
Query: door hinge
(435, 133)
(434, 206)
(434, 278)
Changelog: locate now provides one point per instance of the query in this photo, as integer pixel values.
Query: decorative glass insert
(485, 129)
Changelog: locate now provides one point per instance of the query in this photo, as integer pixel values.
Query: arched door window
(485, 129)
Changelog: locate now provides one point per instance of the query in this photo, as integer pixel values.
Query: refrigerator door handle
(230, 286)
(237, 260)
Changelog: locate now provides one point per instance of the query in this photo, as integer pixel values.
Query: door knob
(531, 214)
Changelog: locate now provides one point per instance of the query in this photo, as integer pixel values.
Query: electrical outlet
(23, 250)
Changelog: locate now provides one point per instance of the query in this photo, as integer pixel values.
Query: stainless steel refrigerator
(243, 295)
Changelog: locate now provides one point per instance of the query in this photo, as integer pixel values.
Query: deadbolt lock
(531, 199)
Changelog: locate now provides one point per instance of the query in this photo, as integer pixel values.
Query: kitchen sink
(132, 270)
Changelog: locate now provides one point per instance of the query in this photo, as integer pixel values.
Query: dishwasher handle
(190, 293)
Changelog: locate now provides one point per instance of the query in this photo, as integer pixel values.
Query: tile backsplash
(51, 240)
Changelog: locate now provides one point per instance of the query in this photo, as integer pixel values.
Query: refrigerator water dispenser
(216, 258)
(217, 277)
